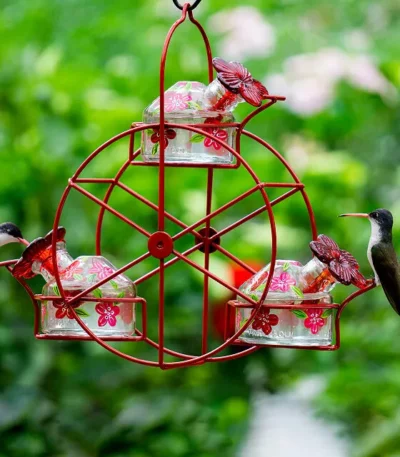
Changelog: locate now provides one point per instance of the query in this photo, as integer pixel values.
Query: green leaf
(149, 131)
(197, 138)
(327, 313)
(299, 313)
(81, 312)
(242, 322)
(154, 149)
(97, 293)
(56, 290)
(188, 86)
(114, 284)
(254, 297)
(78, 277)
(286, 266)
(121, 295)
(92, 277)
(194, 105)
(297, 291)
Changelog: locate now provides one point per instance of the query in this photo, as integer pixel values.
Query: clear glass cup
(184, 104)
(288, 327)
(104, 318)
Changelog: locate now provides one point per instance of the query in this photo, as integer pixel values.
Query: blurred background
(72, 75)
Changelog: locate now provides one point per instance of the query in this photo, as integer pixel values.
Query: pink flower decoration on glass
(282, 283)
(218, 133)
(314, 321)
(173, 101)
(73, 269)
(265, 321)
(108, 314)
(102, 271)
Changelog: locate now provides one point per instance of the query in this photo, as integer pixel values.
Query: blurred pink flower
(246, 32)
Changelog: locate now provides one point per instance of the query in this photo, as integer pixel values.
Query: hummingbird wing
(387, 268)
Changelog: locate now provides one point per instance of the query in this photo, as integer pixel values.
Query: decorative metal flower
(38, 250)
(341, 264)
(237, 79)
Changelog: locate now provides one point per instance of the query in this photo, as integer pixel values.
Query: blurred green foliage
(72, 75)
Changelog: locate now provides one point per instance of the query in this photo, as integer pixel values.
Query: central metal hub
(160, 245)
(207, 234)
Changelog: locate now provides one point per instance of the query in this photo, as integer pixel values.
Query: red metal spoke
(253, 214)
(107, 196)
(95, 180)
(235, 259)
(152, 273)
(161, 312)
(7, 263)
(110, 209)
(228, 205)
(216, 212)
(206, 264)
(183, 225)
(156, 208)
(215, 278)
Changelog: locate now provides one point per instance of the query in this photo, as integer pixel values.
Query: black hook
(191, 7)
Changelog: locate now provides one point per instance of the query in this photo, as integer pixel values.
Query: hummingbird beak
(23, 241)
(355, 215)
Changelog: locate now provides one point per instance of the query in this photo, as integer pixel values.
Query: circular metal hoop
(190, 8)
(187, 359)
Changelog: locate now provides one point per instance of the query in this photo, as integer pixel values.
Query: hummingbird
(381, 254)
(10, 233)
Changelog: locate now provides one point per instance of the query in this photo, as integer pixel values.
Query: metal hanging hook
(191, 7)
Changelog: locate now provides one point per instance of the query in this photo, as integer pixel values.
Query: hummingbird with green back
(381, 254)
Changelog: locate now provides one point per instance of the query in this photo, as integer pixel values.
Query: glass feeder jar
(288, 327)
(111, 318)
(104, 317)
(184, 104)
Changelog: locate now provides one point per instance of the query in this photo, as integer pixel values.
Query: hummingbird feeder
(190, 125)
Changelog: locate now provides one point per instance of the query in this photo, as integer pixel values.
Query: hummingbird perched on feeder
(381, 254)
(10, 233)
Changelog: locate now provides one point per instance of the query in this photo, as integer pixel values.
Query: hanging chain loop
(191, 7)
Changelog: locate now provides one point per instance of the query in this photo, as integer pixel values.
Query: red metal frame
(206, 244)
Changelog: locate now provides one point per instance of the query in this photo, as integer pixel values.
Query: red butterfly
(237, 79)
